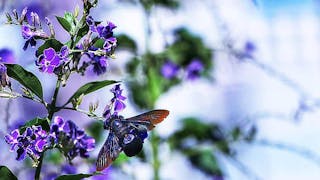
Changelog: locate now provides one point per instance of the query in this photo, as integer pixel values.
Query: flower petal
(49, 53)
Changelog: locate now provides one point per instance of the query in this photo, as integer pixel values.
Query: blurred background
(240, 79)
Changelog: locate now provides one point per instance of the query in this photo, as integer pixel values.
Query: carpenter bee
(127, 135)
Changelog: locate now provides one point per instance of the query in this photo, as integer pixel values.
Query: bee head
(132, 144)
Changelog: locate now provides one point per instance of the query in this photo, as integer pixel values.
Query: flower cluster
(4, 79)
(63, 135)
(72, 140)
(32, 142)
(31, 27)
(116, 104)
(50, 59)
(170, 70)
(101, 47)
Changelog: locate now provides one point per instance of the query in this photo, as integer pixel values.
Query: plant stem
(155, 152)
(52, 107)
(38, 170)
(51, 110)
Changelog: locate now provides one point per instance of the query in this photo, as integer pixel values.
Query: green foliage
(68, 22)
(125, 42)
(148, 4)
(64, 23)
(122, 158)
(6, 174)
(75, 176)
(25, 78)
(89, 88)
(82, 32)
(95, 130)
(43, 122)
(187, 47)
(55, 44)
(148, 83)
(54, 156)
(205, 161)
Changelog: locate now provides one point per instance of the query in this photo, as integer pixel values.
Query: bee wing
(108, 153)
(149, 119)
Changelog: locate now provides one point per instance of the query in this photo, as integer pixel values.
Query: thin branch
(243, 168)
(90, 114)
(301, 151)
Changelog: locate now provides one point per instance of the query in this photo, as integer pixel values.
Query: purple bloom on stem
(64, 53)
(12, 139)
(117, 103)
(90, 22)
(67, 134)
(169, 70)
(49, 60)
(28, 34)
(194, 69)
(106, 31)
(31, 142)
(99, 64)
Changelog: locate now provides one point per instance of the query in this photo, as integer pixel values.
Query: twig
(243, 168)
(304, 152)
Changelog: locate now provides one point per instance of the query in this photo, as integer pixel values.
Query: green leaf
(89, 88)
(64, 23)
(6, 174)
(44, 123)
(125, 42)
(122, 158)
(75, 176)
(81, 33)
(99, 43)
(26, 78)
(205, 161)
(55, 44)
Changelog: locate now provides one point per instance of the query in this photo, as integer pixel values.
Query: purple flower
(249, 48)
(169, 70)
(29, 35)
(72, 139)
(90, 22)
(4, 79)
(7, 55)
(64, 53)
(32, 142)
(99, 64)
(116, 104)
(194, 69)
(49, 60)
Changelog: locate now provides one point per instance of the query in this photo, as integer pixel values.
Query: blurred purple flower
(7, 55)
(106, 32)
(194, 69)
(249, 48)
(169, 70)
(69, 169)
(99, 63)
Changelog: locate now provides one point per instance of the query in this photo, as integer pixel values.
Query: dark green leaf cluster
(148, 83)
(200, 142)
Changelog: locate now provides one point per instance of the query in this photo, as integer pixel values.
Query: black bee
(127, 135)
